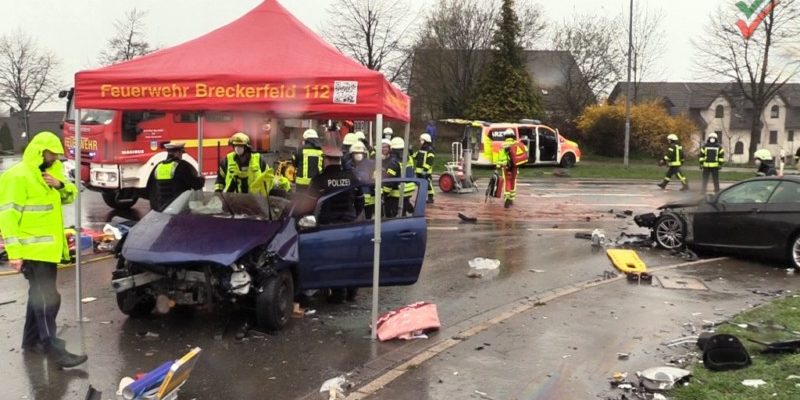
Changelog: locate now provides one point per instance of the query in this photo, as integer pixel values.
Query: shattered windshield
(229, 205)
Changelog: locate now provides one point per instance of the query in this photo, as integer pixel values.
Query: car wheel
(135, 303)
(446, 182)
(568, 160)
(794, 252)
(274, 303)
(669, 232)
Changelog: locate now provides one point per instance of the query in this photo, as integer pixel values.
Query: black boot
(507, 203)
(64, 359)
(430, 200)
(663, 184)
(685, 187)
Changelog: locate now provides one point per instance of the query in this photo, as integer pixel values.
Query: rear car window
(787, 192)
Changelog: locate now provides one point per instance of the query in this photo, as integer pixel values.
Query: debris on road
(626, 261)
(474, 274)
(481, 263)
(598, 238)
(408, 322)
(333, 388)
(3, 303)
(755, 383)
(623, 356)
(724, 352)
(583, 235)
(88, 299)
(662, 378)
(467, 219)
(536, 271)
(789, 346)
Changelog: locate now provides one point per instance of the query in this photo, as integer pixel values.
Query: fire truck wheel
(120, 199)
(446, 182)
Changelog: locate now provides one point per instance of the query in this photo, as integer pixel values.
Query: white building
(721, 108)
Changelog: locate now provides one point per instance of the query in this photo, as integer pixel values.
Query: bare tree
(129, 40)
(452, 48)
(374, 32)
(592, 41)
(759, 66)
(648, 45)
(27, 73)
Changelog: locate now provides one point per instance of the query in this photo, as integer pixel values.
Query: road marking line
(558, 229)
(442, 228)
(590, 195)
(386, 378)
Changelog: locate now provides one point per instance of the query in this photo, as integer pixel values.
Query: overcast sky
(77, 30)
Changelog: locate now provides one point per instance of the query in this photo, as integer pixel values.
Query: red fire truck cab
(120, 149)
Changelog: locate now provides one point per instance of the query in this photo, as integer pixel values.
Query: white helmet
(672, 137)
(310, 134)
(349, 139)
(388, 131)
(358, 147)
(763, 154)
(397, 143)
(386, 142)
(712, 135)
(360, 135)
(425, 138)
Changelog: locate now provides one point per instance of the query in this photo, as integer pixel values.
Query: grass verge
(773, 369)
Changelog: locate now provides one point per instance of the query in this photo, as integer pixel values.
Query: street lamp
(24, 101)
(628, 89)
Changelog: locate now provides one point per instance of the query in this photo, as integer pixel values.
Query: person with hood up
(32, 226)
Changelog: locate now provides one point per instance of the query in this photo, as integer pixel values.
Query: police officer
(307, 160)
(345, 206)
(673, 158)
(765, 163)
(393, 192)
(364, 169)
(240, 168)
(423, 162)
(31, 195)
(172, 177)
(712, 156)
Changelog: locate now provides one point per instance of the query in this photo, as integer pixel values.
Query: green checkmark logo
(749, 10)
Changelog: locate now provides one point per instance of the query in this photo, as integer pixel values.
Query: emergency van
(120, 149)
(546, 145)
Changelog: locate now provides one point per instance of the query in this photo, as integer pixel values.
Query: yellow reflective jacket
(268, 180)
(31, 221)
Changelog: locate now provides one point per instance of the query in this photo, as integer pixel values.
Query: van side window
(526, 133)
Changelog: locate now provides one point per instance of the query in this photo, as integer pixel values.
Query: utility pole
(628, 89)
(24, 101)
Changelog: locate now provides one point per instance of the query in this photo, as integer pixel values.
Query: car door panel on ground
(735, 219)
(341, 255)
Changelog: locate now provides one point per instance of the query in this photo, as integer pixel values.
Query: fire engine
(120, 149)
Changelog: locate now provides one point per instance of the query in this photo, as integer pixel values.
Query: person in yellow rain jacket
(511, 155)
(393, 192)
(32, 226)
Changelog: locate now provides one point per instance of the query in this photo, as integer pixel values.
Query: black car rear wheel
(274, 303)
(794, 252)
(669, 232)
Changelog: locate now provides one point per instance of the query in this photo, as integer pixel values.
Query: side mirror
(710, 198)
(308, 222)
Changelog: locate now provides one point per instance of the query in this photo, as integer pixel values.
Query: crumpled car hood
(171, 239)
(682, 204)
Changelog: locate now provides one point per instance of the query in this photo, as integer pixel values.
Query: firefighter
(307, 160)
(31, 224)
(388, 133)
(673, 158)
(423, 162)
(765, 163)
(393, 192)
(505, 161)
(712, 156)
(173, 176)
(364, 169)
(345, 206)
(347, 142)
(363, 139)
(240, 168)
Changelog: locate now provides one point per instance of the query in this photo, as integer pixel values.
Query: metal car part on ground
(209, 248)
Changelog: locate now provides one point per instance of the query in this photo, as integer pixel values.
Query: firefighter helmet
(712, 135)
(425, 138)
(239, 139)
(358, 147)
(763, 155)
(388, 131)
(360, 135)
(310, 134)
(672, 137)
(397, 143)
(386, 142)
(349, 139)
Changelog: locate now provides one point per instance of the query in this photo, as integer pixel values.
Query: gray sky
(76, 31)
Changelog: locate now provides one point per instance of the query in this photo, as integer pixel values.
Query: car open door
(341, 255)
(548, 144)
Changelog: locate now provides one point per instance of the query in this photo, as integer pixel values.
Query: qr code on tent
(345, 92)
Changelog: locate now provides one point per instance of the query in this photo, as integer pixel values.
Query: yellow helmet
(239, 139)
(349, 139)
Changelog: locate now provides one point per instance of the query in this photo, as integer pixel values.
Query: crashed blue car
(258, 252)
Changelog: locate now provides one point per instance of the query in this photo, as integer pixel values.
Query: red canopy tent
(265, 61)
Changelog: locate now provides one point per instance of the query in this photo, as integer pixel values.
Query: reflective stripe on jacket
(674, 156)
(232, 178)
(712, 156)
(423, 161)
(31, 220)
(308, 163)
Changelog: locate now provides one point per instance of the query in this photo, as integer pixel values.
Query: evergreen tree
(505, 92)
(6, 141)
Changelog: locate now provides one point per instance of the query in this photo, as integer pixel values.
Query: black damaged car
(759, 217)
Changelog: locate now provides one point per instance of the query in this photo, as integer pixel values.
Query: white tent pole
(403, 167)
(78, 225)
(200, 143)
(376, 258)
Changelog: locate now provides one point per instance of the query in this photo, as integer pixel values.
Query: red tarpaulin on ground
(265, 61)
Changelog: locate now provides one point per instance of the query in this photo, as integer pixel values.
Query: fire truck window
(130, 125)
(150, 115)
(185, 118)
(219, 117)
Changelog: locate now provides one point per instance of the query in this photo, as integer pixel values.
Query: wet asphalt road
(537, 234)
